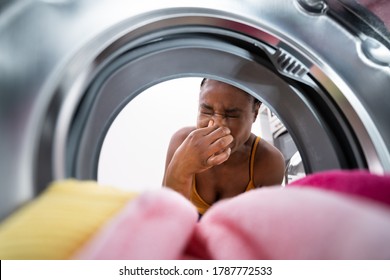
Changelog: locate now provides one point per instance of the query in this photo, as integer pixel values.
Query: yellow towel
(58, 222)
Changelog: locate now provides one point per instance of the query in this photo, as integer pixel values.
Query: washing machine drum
(68, 67)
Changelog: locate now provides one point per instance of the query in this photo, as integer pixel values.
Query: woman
(221, 157)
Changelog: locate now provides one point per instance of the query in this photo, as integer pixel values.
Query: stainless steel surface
(294, 169)
(68, 67)
(376, 51)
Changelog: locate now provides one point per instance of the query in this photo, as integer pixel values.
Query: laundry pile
(328, 215)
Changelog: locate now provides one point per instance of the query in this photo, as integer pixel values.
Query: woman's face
(227, 106)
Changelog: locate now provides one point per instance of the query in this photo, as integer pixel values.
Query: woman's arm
(193, 151)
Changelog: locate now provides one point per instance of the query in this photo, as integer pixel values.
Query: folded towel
(359, 183)
(269, 223)
(295, 223)
(330, 219)
(156, 225)
(58, 222)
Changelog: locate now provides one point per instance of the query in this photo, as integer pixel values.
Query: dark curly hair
(255, 100)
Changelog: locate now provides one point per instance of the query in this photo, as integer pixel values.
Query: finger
(220, 144)
(221, 151)
(210, 134)
(219, 158)
(217, 135)
(204, 131)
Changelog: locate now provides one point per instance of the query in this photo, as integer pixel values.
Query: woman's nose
(219, 119)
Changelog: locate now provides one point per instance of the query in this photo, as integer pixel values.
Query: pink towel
(294, 222)
(156, 225)
(355, 182)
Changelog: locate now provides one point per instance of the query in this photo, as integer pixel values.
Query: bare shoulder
(179, 136)
(269, 164)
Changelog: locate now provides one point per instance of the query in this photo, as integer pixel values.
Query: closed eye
(209, 113)
(233, 113)
(206, 109)
(232, 116)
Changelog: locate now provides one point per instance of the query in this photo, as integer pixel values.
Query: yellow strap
(197, 201)
(253, 158)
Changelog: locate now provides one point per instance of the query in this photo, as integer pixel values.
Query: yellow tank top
(202, 205)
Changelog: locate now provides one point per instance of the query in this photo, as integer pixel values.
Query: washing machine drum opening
(318, 127)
